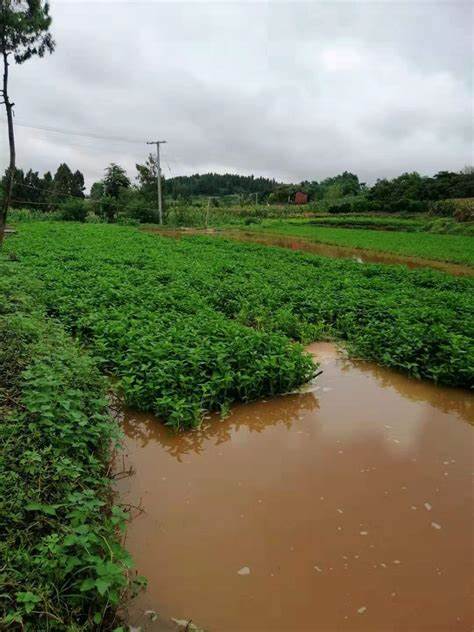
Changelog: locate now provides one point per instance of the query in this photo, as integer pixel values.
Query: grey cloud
(291, 90)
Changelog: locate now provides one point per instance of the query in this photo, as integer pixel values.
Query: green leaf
(102, 585)
(87, 584)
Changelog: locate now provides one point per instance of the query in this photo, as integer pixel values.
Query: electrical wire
(56, 130)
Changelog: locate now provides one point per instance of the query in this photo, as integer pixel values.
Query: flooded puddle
(325, 250)
(344, 507)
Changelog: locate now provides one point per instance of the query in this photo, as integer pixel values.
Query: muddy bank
(325, 250)
(347, 506)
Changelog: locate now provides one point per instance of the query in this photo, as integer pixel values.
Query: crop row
(458, 248)
(62, 565)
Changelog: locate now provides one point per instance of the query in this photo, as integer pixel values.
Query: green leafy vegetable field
(192, 325)
(454, 248)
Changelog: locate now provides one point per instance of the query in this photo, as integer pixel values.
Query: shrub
(464, 210)
(363, 205)
(108, 208)
(140, 210)
(31, 215)
(123, 220)
(73, 210)
(443, 208)
(340, 207)
(404, 205)
(92, 218)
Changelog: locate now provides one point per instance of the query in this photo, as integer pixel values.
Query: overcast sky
(291, 90)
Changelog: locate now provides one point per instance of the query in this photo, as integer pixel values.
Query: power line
(32, 203)
(52, 203)
(169, 168)
(77, 133)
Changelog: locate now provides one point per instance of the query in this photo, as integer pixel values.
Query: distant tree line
(30, 190)
(115, 194)
(410, 191)
(216, 184)
(329, 189)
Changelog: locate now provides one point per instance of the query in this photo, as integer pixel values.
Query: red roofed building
(301, 197)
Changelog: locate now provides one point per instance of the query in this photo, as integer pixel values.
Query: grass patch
(63, 567)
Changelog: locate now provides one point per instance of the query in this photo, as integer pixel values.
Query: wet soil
(344, 507)
(327, 250)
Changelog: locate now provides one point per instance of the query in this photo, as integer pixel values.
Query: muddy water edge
(347, 506)
(326, 250)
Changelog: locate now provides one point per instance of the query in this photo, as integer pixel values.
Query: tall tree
(115, 180)
(77, 184)
(147, 177)
(24, 33)
(62, 185)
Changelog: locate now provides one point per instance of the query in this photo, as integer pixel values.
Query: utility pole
(158, 177)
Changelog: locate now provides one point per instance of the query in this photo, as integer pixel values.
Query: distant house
(301, 198)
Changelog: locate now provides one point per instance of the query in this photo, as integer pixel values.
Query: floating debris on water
(245, 570)
(435, 525)
(362, 609)
(428, 506)
(151, 614)
(188, 625)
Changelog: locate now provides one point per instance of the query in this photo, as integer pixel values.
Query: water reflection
(447, 399)
(327, 497)
(358, 255)
(216, 430)
(348, 377)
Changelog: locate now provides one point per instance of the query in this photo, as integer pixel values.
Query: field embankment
(440, 247)
(193, 325)
(62, 564)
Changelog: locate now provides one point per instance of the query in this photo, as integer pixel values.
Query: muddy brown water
(326, 250)
(344, 507)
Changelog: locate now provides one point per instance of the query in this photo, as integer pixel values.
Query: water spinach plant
(62, 566)
(193, 325)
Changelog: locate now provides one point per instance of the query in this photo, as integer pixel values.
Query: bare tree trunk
(11, 142)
